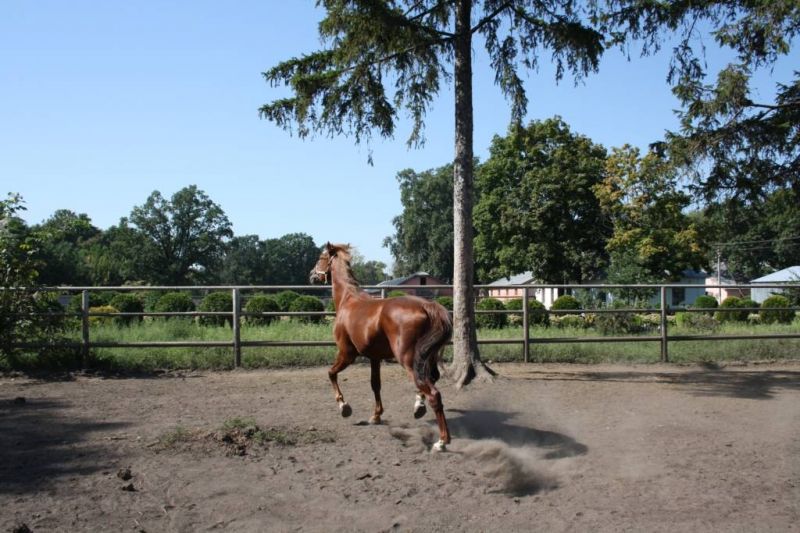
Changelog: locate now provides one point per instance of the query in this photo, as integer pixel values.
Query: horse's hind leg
(375, 381)
(435, 399)
(343, 360)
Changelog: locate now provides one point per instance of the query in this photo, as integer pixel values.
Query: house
(500, 289)
(787, 275)
(417, 279)
(676, 296)
(720, 293)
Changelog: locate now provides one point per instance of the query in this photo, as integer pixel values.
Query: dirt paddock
(545, 447)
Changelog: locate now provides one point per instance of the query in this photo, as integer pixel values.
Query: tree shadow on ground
(708, 381)
(491, 424)
(39, 444)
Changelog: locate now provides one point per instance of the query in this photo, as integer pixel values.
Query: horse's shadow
(490, 424)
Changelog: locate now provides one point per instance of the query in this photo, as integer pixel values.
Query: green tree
(367, 272)
(653, 239)
(62, 238)
(537, 210)
(371, 46)
(118, 255)
(244, 262)
(186, 236)
(733, 142)
(423, 239)
(288, 259)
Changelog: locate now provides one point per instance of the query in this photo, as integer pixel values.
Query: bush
(446, 302)
(770, 315)
(96, 299)
(127, 303)
(618, 323)
(174, 302)
(706, 302)
(307, 304)
(217, 302)
(696, 321)
(730, 310)
(569, 321)
(537, 314)
(285, 299)
(395, 293)
(493, 320)
(565, 303)
(97, 320)
(261, 303)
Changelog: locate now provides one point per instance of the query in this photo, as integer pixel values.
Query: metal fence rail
(236, 315)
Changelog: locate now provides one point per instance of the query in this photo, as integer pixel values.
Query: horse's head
(321, 273)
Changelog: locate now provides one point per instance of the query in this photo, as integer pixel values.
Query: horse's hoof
(375, 420)
(420, 410)
(346, 410)
(439, 447)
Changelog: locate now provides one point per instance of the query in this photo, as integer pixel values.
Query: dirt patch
(545, 447)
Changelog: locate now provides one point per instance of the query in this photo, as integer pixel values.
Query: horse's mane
(343, 253)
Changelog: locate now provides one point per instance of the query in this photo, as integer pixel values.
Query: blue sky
(103, 102)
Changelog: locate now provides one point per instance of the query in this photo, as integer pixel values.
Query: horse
(409, 329)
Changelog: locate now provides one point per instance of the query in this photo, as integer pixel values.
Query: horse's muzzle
(317, 278)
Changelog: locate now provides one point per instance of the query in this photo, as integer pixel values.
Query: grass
(173, 358)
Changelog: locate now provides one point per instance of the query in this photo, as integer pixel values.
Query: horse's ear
(328, 246)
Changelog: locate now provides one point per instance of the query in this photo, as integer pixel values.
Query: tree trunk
(467, 364)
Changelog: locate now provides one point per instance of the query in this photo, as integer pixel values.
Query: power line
(736, 243)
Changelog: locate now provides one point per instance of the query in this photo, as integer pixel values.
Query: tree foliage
(536, 209)
(653, 239)
(423, 239)
(185, 234)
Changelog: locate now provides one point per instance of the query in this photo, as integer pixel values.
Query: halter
(323, 274)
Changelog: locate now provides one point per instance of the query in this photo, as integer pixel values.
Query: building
(419, 280)
(787, 275)
(676, 296)
(720, 293)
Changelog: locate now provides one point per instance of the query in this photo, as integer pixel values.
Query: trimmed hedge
(261, 303)
(565, 302)
(217, 302)
(127, 303)
(705, 301)
(769, 315)
(537, 313)
(493, 320)
(730, 310)
(285, 299)
(446, 302)
(307, 304)
(174, 302)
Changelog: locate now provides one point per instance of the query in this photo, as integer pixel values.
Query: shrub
(127, 303)
(174, 302)
(446, 302)
(696, 321)
(706, 302)
(618, 323)
(569, 321)
(730, 310)
(565, 303)
(537, 314)
(285, 299)
(770, 315)
(96, 299)
(307, 304)
(261, 303)
(395, 293)
(493, 320)
(97, 320)
(216, 302)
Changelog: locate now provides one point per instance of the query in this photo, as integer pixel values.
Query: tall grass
(159, 330)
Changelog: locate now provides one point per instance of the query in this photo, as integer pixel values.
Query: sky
(103, 102)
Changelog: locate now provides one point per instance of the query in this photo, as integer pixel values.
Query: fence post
(237, 336)
(84, 328)
(525, 325)
(664, 348)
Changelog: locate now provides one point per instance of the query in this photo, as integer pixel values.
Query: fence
(236, 315)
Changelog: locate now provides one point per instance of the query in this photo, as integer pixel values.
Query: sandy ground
(546, 447)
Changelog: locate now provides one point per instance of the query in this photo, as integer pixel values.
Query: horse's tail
(431, 344)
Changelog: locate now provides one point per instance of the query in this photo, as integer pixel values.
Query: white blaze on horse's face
(321, 271)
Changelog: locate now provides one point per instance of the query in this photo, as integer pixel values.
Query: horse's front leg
(343, 359)
(375, 380)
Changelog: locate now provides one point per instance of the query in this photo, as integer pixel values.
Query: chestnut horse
(410, 329)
